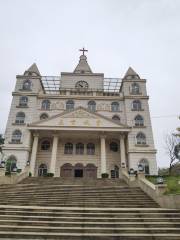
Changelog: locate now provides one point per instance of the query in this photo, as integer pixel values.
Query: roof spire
(130, 72)
(83, 66)
(33, 69)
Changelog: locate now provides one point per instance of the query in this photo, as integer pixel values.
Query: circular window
(113, 146)
(45, 145)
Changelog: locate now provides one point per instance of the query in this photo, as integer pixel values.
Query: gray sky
(144, 34)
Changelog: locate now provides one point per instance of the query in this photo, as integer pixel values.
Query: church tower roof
(33, 69)
(83, 66)
(130, 72)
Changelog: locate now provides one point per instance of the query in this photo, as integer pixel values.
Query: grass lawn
(173, 187)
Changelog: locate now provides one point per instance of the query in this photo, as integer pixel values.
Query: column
(103, 154)
(122, 151)
(33, 154)
(54, 154)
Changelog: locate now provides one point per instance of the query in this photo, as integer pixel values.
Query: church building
(80, 124)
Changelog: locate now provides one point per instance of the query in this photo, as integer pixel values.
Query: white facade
(84, 138)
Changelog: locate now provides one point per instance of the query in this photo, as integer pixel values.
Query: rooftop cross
(83, 50)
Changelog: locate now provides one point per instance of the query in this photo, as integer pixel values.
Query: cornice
(74, 128)
(142, 150)
(80, 97)
(16, 148)
(28, 77)
(81, 74)
(24, 93)
(136, 97)
(134, 80)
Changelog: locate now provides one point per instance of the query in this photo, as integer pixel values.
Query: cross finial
(83, 50)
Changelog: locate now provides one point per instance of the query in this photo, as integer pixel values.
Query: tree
(171, 143)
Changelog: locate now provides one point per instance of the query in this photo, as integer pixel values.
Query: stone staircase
(54, 208)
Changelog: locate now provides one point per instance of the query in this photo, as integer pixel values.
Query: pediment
(79, 117)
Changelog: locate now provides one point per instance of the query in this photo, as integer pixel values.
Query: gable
(79, 117)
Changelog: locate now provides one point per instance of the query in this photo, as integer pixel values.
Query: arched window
(116, 118)
(11, 163)
(45, 145)
(16, 136)
(90, 148)
(23, 101)
(20, 117)
(92, 106)
(43, 116)
(113, 146)
(68, 148)
(135, 89)
(79, 148)
(115, 107)
(145, 164)
(136, 105)
(45, 104)
(42, 170)
(141, 138)
(139, 121)
(27, 85)
(70, 105)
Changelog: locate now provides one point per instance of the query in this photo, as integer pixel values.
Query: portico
(102, 158)
(96, 144)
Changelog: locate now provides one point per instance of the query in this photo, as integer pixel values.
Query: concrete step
(114, 224)
(50, 208)
(87, 236)
(102, 230)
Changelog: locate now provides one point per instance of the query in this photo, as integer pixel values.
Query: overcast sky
(144, 34)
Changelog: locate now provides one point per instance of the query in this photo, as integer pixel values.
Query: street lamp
(14, 169)
(131, 171)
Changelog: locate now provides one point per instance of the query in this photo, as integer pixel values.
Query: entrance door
(66, 170)
(42, 170)
(90, 171)
(115, 172)
(78, 173)
(78, 170)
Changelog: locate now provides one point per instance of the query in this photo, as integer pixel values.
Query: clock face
(81, 84)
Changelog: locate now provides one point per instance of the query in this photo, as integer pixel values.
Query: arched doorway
(116, 169)
(79, 170)
(90, 171)
(11, 163)
(42, 170)
(145, 164)
(115, 172)
(66, 170)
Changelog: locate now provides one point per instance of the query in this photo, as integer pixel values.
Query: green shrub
(7, 173)
(19, 170)
(104, 175)
(49, 175)
(30, 174)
